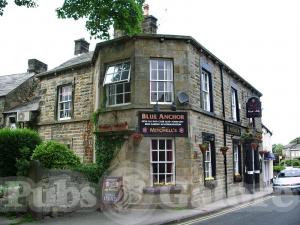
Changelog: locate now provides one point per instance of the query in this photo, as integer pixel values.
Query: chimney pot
(81, 46)
(146, 10)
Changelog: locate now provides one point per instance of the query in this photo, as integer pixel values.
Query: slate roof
(295, 147)
(33, 105)
(81, 60)
(10, 82)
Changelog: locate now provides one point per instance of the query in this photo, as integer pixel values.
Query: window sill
(171, 189)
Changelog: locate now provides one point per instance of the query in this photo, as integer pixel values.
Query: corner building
(201, 99)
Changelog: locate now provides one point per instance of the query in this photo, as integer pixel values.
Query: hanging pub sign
(112, 190)
(166, 124)
(253, 108)
(232, 129)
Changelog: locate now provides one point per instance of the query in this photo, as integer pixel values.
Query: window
(162, 161)
(236, 159)
(208, 163)
(161, 81)
(117, 81)
(209, 157)
(64, 102)
(234, 105)
(206, 92)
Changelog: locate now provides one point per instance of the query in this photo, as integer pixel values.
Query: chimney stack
(149, 24)
(36, 66)
(81, 46)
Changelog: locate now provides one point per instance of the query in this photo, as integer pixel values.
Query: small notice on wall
(165, 124)
(112, 190)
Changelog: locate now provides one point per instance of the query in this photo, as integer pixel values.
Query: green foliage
(295, 141)
(278, 168)
(55, 155)
(277, 149)
(100, 15)
(16, 145)
(106, 149)
(27, 3)
(287, 162)
(23, 163)
(91, 171)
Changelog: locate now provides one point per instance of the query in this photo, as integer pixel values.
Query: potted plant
(254, 146)
(210, 182)
(224, 149)
(136, 137)
(203, 147)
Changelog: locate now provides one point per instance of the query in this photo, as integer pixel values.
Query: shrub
(55, 155)
(278, 168)
(91, 171)
(11, 143)
(287, 162)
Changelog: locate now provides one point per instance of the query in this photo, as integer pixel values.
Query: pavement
(148, 216)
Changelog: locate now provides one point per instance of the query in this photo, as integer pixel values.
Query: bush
(91, 171)
(55, 155)
(11, 143)
(287, 162)
(278, 168)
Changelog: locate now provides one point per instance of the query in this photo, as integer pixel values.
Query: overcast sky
(259, 39)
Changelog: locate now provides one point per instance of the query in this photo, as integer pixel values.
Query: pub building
(177, 106)
(176, 97)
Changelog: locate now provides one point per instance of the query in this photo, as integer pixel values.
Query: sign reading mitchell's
(164, 124)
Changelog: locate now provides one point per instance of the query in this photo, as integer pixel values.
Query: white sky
(259, 39)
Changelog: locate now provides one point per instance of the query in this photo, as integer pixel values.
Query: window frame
(206, 88)
(113, 85)
(165, 162)
(208, 162)
(170, 81)
(234, 105)
(236, 163)
(59, 102)
(210, 140)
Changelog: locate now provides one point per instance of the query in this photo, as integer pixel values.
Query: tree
(27, 3)
(277, 149)
(100, 15)
(295, 141)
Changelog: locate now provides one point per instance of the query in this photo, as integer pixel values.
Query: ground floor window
(209, 156)
(208, 162)
(236, 159)
(162, 161)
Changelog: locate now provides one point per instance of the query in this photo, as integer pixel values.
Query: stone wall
(77, 131)
(2, 103)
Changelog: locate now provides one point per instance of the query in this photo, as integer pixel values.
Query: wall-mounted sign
(165, 124)
(112, 190)
(232, 129)
(113, 127)
(253, 108)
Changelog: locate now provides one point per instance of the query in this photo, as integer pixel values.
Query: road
(275, 210)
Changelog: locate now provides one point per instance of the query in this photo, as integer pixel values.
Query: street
(275, 210)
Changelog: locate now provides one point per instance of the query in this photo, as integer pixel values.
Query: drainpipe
(224, 131)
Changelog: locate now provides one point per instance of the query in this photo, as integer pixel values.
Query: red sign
(113, 127)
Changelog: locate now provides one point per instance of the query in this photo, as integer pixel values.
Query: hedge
(91, 171)
(12, 141)
(287, 162)
(54, 155)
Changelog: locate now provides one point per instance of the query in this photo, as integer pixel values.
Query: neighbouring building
(292, 151)
(19, 97)
(67, 102)
(267, 156)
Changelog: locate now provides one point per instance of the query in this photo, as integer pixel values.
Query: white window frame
(61, 103)
(208, 162)
(115, 69)
(234, 104)
(236, 159)
(111, 72)
(165, 150)
(205, 90)
(167, 81)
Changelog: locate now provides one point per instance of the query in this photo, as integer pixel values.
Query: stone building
(165, 95)
(19, 97)
(172, 94)
(67, 100)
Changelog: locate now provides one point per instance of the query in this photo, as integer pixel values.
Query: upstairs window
(117, 82)
(161, 81)
(64, 102)
(206, 91)
(234, 105)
